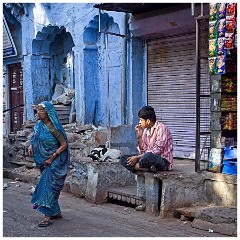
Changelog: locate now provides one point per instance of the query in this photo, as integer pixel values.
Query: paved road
(83, 219)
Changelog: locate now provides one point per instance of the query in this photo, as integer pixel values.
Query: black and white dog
(102, 154)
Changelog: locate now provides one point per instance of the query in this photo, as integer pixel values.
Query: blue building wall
(52, 31)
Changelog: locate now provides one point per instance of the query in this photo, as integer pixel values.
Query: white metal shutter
(172, 88)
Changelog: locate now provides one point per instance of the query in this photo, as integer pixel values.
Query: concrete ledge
(93, 179)
(166, 191)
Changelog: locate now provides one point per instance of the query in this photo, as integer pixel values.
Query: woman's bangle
(55, 154)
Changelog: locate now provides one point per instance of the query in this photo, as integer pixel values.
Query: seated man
(155, 145)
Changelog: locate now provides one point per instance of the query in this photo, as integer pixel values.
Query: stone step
(63, 116)
(63, 111)
(127, 194)
(64, 121)
(62, 107)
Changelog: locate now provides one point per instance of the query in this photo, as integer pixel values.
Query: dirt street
(83, 219)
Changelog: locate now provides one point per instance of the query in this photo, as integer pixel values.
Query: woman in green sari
(49, 146)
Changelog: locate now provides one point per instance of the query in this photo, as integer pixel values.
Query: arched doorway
(51, 62)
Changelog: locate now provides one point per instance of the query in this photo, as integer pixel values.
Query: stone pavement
(84, 219)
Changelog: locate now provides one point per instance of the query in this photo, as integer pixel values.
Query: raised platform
(165, 191)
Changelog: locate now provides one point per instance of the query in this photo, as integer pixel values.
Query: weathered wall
(197, 189)
(102, 68)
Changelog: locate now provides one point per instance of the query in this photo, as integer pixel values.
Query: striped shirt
(158, 140)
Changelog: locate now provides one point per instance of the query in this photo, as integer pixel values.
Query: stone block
(152, 194)
(148, 189)
(96, 178)
(141, 186)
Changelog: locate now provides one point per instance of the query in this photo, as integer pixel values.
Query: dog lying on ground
(103, 154)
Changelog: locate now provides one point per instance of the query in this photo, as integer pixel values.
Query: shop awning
(134, 8)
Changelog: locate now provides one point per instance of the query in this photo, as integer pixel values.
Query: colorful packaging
(221, 11)
(221, 60)
(221, 46)
(213, 11)
(212, 48)
(212, 65)
(230, 9)
(212, 29)
(221, 35)
(229, 40)
(230, 23)
(221, 27)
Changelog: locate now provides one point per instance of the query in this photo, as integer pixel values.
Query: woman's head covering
(52, 114)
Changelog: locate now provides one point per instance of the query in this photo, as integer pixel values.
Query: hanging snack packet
(229, 40)
(221, 60)
(212, 52)
(212, 65)
(230, 23)
(230, 9)
(220, 46)
(212, 29)
(221, 13)
(221, 27)
(213, 11)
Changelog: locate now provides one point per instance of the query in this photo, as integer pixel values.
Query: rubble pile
(82, 139)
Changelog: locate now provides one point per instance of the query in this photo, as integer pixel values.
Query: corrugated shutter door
(172, 88)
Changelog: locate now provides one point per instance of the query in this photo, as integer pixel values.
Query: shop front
(223, 71)
(169, 34)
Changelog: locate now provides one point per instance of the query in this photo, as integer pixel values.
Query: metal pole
(197, 149)
(108, 144)
(124, 65)
(201, 9)
(99, 20)
(193, 9)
